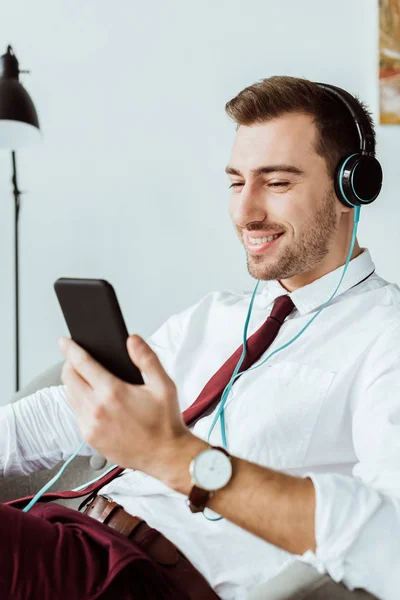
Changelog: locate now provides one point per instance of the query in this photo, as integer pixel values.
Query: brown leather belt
(154, 543)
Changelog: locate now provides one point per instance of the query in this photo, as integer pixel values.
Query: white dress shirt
(328, 406)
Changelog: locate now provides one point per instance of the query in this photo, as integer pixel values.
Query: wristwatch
(210, 470)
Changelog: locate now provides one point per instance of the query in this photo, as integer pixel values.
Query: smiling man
(312, 469)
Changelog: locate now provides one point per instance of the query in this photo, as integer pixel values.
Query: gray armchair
(299, 581)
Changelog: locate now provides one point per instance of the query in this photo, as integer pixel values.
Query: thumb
(148, 363)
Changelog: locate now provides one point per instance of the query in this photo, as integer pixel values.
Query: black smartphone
(95, 322)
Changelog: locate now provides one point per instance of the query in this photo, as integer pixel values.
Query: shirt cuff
(343, 506)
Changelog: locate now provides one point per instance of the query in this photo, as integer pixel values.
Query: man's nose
(248, 206)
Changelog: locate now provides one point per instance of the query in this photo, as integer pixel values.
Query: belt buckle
(107, 498)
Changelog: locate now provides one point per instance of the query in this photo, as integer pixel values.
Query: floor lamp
(19, 127)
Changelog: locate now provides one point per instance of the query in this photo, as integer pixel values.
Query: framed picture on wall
(389, 61)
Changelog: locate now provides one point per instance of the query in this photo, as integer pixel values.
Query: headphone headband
(358, 176)
(365, 134)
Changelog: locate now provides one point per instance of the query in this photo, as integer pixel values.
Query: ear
(344, 209)
(340, 207)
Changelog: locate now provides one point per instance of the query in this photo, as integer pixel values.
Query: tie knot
(283, 306)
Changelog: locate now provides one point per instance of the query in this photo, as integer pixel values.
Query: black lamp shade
(16, 104)
(19, 123)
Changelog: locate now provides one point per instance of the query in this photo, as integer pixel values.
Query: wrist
(177, 475)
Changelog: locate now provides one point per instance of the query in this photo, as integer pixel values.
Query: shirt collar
(312, 296)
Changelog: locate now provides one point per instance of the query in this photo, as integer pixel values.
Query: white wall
(128, 184)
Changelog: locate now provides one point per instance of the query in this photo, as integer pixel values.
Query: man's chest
(299, 396)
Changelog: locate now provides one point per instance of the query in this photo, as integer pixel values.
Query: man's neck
(298, 281)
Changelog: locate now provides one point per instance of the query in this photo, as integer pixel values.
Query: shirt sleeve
(357, 520)
(357, 532)
(37, 432)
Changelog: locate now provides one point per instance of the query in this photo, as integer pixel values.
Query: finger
(148, 363)
(85, 365)
(78, 389)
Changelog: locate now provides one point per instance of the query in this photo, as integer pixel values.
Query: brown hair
(275, 96)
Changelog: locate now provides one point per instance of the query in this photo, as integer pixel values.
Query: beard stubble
(305, 252)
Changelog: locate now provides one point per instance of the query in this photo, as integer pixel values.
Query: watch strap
(198, 498)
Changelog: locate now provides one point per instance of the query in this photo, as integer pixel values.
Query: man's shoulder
(221, 298)
(214, 304)
(384, 293)
(379, 305)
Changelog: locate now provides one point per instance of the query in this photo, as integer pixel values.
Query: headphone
(358, 176)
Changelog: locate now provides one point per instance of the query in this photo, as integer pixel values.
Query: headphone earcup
(358, 180)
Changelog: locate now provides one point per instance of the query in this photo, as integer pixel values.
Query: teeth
(264, 239)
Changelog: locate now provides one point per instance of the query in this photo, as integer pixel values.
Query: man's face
(280, 186)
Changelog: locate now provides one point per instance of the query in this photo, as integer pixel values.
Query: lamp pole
(17, 205)
(19, 127)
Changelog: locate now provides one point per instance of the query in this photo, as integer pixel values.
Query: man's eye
(235, 184)
(279, 183)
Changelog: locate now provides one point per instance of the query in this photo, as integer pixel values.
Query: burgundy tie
(257, 344)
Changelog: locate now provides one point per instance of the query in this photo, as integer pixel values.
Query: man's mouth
(257, 245)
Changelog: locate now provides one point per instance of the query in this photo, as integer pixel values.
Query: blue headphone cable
(236, 373)
(220, 414)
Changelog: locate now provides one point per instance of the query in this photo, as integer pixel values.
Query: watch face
(211, 469)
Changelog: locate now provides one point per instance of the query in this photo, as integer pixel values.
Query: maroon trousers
(55, 552)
